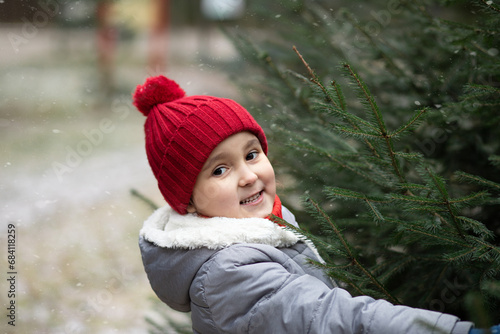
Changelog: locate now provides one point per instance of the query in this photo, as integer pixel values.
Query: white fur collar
(166, 228)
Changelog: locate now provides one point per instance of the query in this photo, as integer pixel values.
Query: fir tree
(384, 120)
(400, 171)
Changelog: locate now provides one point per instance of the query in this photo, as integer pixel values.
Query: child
(212, 250)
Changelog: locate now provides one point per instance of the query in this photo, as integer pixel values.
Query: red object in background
(157, 57)
(106, 43)
(107, 39)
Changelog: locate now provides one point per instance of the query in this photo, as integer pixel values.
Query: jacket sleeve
(257, 289)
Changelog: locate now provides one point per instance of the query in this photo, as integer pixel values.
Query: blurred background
(72, 149)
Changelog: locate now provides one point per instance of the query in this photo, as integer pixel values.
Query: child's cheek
(205, 195)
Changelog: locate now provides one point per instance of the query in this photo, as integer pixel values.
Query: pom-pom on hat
(181, 132)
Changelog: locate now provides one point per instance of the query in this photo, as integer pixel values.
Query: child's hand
(492, 330)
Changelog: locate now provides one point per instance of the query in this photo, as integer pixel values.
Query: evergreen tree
(384, 116)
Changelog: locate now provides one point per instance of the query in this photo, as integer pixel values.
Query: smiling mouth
(252, 199)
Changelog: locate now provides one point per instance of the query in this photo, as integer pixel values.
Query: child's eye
(252, 155)
(219, 171)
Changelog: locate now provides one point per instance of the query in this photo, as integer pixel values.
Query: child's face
(236, 181)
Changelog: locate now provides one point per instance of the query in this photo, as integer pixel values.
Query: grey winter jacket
(252, 276)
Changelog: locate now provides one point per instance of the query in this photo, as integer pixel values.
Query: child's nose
(247, 176)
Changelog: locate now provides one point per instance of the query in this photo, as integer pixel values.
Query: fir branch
(483, 243)
(340, 95)
(409, 156)
(416, 199)
(336, 161)
(340, 273)
(336, 192)
(474, 91)
(488, 4)
(392, 65)
(415, 186)
(462, 176)
(353, 119)
(482, 251)
(320, 243)
(397, 267)
(438, 237)
(347, 194)
(495, 160)
(460, 255)
(410, 123)
(368, 97)
(380, 120)
(241, 42)
(275, 70)
(480, 48)
(469, 199)
(477, 227)
(441, 218)
(430, 209)
(376, 215)
(482, 104)
(143, 198)
(439, 182)
(349, 281)
(359, 133)
(350, 252)
(315, 79)
(456, 25)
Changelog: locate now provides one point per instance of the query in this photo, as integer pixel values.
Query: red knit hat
(181, 132)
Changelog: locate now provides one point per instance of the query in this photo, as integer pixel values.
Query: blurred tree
(400, 172)
(17, 11)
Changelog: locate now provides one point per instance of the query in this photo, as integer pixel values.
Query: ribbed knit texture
(181, 134)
